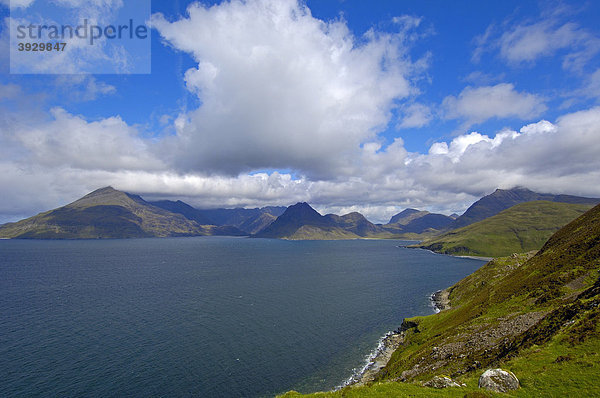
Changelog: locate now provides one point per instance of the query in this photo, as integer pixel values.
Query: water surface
(206, 316)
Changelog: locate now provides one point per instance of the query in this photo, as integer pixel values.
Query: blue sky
(349, 105)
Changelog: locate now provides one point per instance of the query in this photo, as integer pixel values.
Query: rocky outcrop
(442, 382)
(498, 380)
(441, 300)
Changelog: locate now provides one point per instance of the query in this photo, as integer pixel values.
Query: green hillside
(502, 199)
(108, 213)
(519, 229)
(535, 315)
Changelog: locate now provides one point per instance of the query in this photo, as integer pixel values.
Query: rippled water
(208, 316)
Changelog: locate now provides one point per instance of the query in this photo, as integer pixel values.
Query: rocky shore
(378, 359)
(390, 342)
(440, 300)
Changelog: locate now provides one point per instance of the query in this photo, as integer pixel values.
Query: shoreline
(376, 360)
(482, 258)
(388, 344)
(391, 341)
(440, 300)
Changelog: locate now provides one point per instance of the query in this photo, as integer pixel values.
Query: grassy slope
(104, 213)
(556, 354)
(521, 228)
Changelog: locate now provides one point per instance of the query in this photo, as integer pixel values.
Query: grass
(105, 213)
(535, 315)
(521, 228)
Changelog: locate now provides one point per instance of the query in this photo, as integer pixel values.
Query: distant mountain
(301, 221)
(257, 223)
(406, 216)
(107, 213)
(502, 199)
(521, 228)
(356, 223)
(248, 220)
(184, 209)
(412, 221)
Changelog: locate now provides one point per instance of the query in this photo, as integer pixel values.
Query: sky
(348, 105)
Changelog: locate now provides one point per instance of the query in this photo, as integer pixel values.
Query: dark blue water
(218, 317)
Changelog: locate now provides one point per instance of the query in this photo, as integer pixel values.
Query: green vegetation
(535, 315)
(107, 213)
(521, 228)
(503, 199)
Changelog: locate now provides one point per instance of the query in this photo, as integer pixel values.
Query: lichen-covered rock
(442, 382)
(498, 380)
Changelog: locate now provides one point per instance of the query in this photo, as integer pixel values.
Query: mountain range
(301, 221)
(249, 221)
(109, 213)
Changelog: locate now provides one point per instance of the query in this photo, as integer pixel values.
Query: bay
(203, 316)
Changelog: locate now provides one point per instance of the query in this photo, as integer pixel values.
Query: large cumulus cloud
(291, 110)
(282, 89)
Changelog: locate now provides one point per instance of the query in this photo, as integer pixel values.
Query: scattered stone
(442, 382)
(563, 358)
(498, 380)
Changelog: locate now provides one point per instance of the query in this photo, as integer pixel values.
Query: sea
(204, 316)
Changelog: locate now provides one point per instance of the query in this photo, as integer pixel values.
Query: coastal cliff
(535, 314)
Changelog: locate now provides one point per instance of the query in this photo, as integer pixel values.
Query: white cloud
(65, 156)
(71, 141)
(282, 89)
(589, 89)
(478, 104)
(527, 42)
(416, 115)
(543, 156)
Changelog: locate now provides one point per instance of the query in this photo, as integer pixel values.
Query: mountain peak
(302, 208)
(354, 216)
(103, 196)
(103, 190)
(406, 216)
(301, 205)
(502, 199)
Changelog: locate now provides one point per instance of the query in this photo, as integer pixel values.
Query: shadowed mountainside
(302, 222)
(248, 221)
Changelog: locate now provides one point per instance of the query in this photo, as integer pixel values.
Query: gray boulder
(498, 380)
(442, 382)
